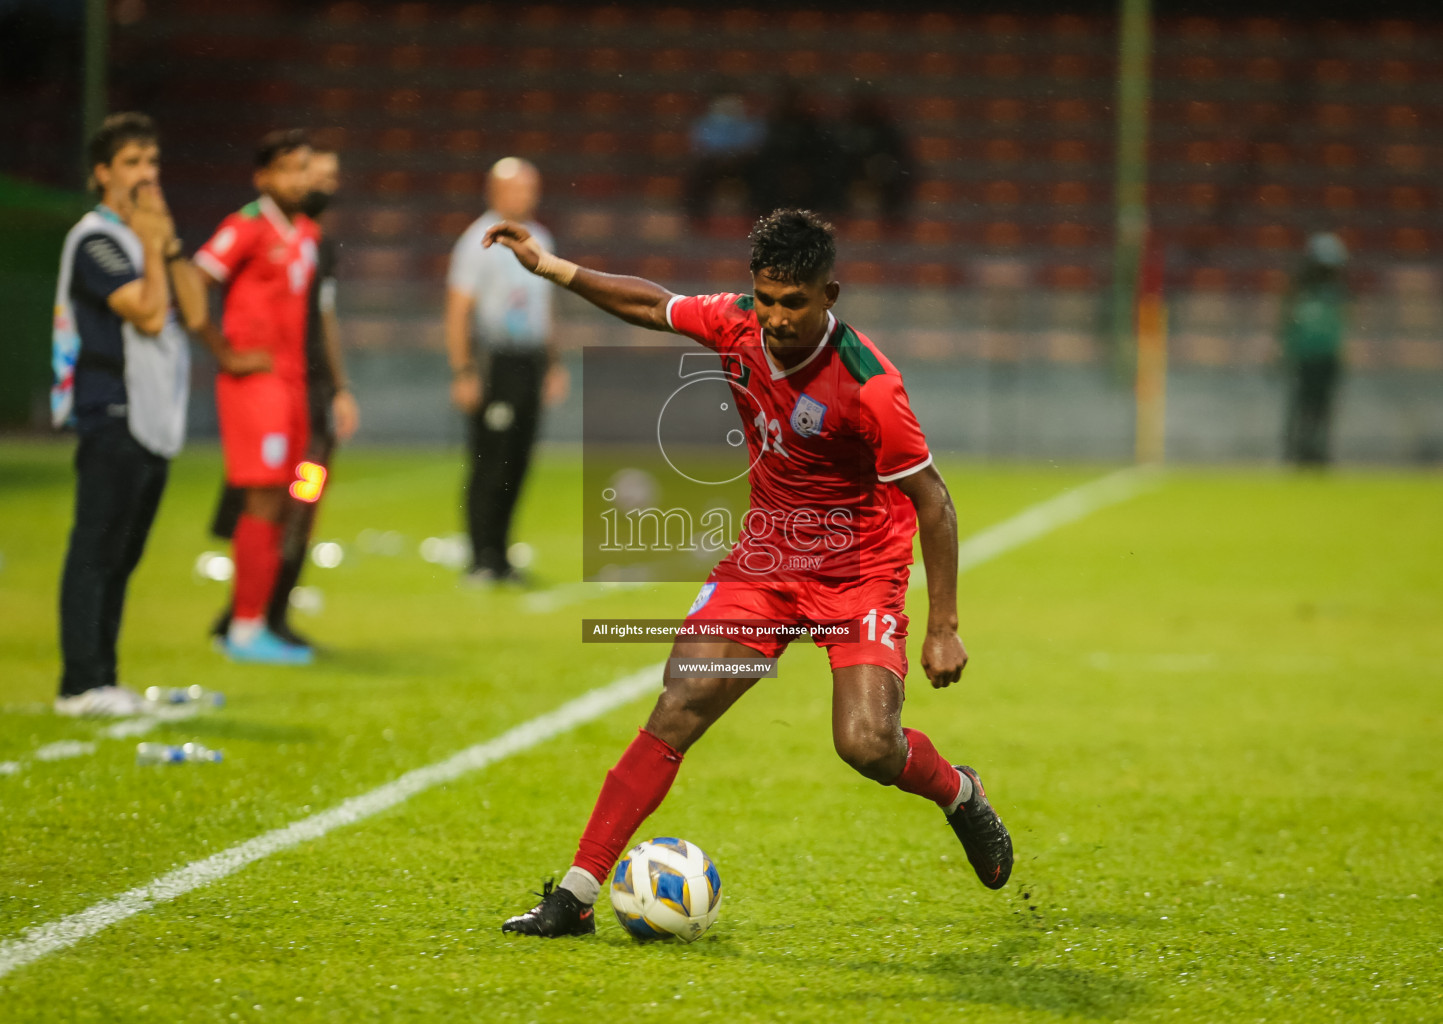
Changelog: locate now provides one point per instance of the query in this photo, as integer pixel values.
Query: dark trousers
(1311, 387)
(118, 484)
(503, 432)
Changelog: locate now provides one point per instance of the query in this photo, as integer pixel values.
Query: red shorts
(264, 428)
(877, 604)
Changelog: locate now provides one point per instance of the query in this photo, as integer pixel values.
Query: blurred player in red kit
(830, 430)
(264, 255)
(334, 416)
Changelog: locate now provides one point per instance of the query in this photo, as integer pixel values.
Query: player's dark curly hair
(279, 143)
(797, 246)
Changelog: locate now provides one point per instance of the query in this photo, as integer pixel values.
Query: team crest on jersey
(807, 416)
(702, 597)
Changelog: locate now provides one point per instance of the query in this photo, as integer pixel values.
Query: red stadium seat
(663, 188)
(934, 275)
(1002, 193)
(1277, 236)
(1340, 197)
(411, 15)
(1002, 235)
(932, 232)
(1411, 242)
(411, 57)
(934, 148)
(933, 191)
(1404, 158)
(1274, 197)
(862, 229)
(468, 102)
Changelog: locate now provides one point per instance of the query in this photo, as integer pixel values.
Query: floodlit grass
(1211, 717)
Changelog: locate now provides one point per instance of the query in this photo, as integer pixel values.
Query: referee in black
(333, 411)
(498, 341)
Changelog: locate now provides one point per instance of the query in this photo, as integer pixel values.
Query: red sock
(632, 790)
(257, 545)
(927, 773)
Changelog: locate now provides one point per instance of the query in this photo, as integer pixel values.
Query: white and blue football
(666, 888)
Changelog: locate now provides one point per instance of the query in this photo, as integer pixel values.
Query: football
(666, 888)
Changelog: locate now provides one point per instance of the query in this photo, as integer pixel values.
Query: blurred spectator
(875, 157)
(724, 143)
(798, 164)
(1312, 340)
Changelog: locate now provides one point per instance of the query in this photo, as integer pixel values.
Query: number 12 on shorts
(889, 621)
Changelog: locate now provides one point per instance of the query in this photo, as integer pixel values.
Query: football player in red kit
(264, 255)
(833, 442)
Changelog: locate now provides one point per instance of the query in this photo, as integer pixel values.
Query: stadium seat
(469, 102)
(1002, 235)
(938, 65)
(1070, 151)
(1411, 242)
(663, 188)
(1277, 236)
(1340, 197)
(1273, 197)
(1404, 158)
(934, 148)
(936, 191)
(673, 60)
(934, 275)
(1408, 199)
(1002, 193)
(861, 229)
(1069, 235)
(739, 62)
(932, 232)
(410, 57)
(466, 142)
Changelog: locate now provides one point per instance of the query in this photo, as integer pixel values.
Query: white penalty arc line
(67, 931)
(41, 940)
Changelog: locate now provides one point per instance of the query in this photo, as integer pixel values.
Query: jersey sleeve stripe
(212, 266)
(670, 303)
(906, 472)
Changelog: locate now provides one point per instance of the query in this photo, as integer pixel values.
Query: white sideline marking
(67, 931)
(543, 602)
(123, 729)
(36, 942)
(61, 749)
(1041, 519)
(139, 726)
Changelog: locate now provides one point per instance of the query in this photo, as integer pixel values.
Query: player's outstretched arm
(633, 299)
(943, 655)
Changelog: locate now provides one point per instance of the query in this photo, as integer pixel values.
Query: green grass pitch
(1210, 716)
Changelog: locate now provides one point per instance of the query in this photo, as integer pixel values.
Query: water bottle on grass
(164, 753)
(184, 695)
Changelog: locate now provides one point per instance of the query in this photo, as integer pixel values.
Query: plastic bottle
(164, 753)
(184, 695)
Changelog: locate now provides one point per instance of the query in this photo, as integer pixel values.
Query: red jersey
(826, 439)
(267, 263)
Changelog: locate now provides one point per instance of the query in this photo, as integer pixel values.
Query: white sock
(243, 631)
(963, 795)
(582, 884)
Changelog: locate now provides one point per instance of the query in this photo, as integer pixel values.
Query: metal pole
(1134, 55)
(97, 44)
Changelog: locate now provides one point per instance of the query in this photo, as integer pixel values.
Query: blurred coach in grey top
(122, 378)
(499, 344)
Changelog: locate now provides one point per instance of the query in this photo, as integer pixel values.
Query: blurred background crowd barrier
(977, 250)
